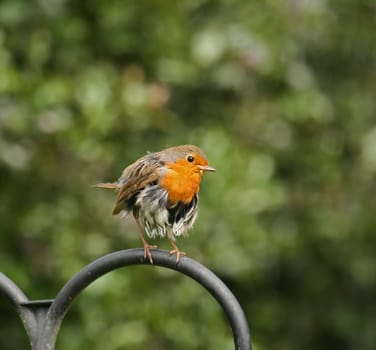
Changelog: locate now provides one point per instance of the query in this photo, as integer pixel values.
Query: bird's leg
(146, 245)
(176, 250)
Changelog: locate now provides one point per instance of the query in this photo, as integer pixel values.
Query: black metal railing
(42, 318)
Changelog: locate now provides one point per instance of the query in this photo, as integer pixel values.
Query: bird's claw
(178, 254)
(147, 252)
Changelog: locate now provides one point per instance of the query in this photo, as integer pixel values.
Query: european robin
(161, 190)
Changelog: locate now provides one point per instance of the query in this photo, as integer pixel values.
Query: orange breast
(181, 182)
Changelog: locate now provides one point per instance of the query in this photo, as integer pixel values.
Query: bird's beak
(206, 168)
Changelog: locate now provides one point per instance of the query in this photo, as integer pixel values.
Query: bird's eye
(190, 159)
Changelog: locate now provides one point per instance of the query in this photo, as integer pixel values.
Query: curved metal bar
(12, 291)
(129, 257)
(18, 299)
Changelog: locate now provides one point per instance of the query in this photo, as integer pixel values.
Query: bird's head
(189, 157)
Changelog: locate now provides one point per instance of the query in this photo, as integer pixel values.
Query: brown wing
(134, 178)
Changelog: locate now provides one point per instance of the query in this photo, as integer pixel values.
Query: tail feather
(112, 185)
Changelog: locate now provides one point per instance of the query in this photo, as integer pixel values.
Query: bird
(161, 190)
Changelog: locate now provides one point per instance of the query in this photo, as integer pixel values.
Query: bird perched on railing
(161, 190)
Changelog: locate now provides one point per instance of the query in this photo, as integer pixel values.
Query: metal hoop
(43, 327)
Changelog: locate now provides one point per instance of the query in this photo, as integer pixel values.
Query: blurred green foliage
(281, 96)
